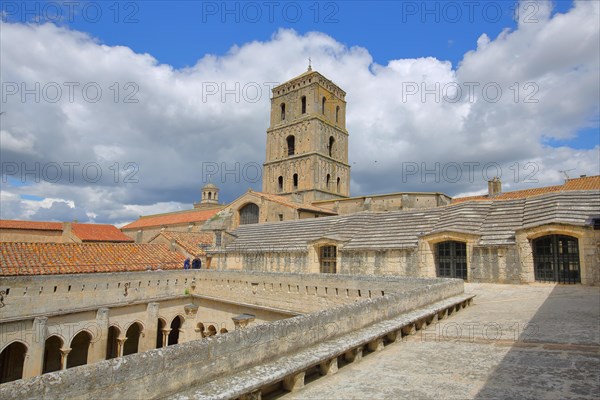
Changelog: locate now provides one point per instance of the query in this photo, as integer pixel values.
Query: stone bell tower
(307, 140)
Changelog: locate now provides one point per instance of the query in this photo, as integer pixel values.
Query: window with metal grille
(556, 259)
(327, 259)
(249, 214)
(451, 259)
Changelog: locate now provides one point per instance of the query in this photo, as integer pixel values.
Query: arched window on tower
(303, 104)
(291, 145)
(295, 181)
(282, 111)
(338, 185)
(337, 114)
(323, 105)
(280, 183)
(330, 146)
(328, 181)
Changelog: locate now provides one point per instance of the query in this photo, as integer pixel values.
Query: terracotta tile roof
(289, 203)
(176, 218)
(585, 183)
(30, 225)
(99, 233)
(85, 232)
(190, 241)
(76, 258)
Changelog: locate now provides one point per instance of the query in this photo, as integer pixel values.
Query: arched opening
(328, 259)
(52, 354)
(280, 184)
(330, 146)
(295, 181)
(200, 328)
(556, 259)
(323, 105)
(159, 333)
(337, 114)
(303, 104)
(175, 327)
(80, 346)
(249, 214)
(223, 330)
(112, 342)
(451, 259)
(209, 195)
(12, 360)
(212, 331)
(282, 111)
(338, 185)
(328, 181)
(133, 339)
(291, 145)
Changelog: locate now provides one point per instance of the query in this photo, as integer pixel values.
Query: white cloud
(177, 125)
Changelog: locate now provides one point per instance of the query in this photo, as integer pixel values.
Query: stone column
(64, 356)
(165, 338)
(97, 351)
(148, 336)
(120, 345)
(34, 360)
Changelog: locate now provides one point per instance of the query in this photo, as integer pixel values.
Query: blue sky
(371, 49)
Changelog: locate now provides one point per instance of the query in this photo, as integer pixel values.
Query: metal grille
(328, 259)
(249, 214)
(556, 259)
(451, 260)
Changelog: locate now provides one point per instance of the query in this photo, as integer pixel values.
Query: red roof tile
(585, 183)
(298, 206)
(176, 218)
(30, 225)
(99, 233)
(190, 241)
(85, 232)
(74, 258)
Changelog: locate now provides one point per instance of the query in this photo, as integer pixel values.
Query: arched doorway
(12, 360)
(556, 259)
(133, 339)
(80, 346)
(112, 343)
(52, 354)
(451, 259)
(159, 333)
(174, 334)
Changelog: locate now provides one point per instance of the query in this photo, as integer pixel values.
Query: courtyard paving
(537, 341)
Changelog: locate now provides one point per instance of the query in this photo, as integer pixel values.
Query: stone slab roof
(175, 218)
(75, 258)
(495, 222)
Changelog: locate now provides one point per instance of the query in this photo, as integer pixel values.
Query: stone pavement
(537, 341)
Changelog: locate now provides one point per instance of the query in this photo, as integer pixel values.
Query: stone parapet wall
(159, 372)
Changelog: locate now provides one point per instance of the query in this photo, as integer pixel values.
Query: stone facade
(307, 141)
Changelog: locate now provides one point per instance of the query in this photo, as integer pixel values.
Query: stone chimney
(67, 232)
(494, 187)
